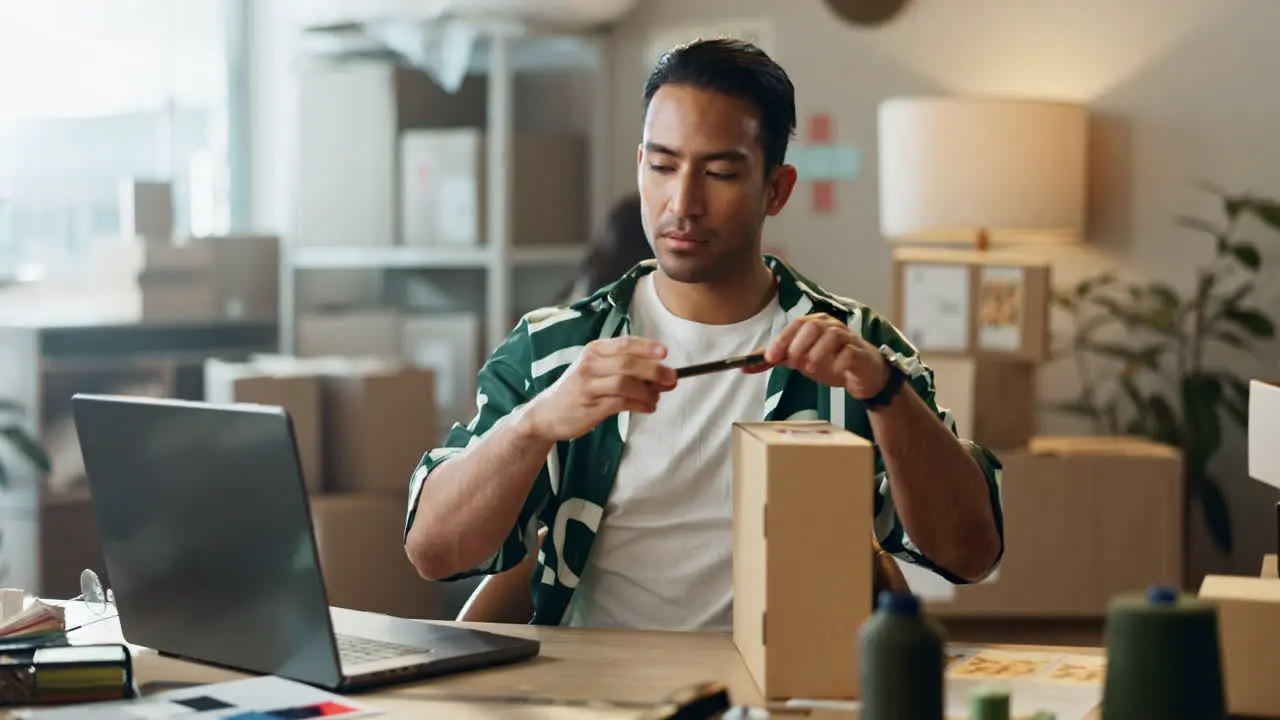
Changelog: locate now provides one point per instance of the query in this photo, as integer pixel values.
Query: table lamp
(982, 171)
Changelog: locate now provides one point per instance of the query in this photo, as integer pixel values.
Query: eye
(722, 175)
(660, 168)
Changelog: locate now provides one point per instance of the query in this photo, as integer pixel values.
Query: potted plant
(26, 448)
(1139, 349)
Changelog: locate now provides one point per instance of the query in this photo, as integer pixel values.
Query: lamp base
(984, 240)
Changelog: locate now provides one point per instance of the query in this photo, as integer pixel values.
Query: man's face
(703, 190)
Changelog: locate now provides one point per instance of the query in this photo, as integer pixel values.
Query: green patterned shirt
(573, 487)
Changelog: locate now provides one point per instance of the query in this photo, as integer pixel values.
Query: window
(92, 93)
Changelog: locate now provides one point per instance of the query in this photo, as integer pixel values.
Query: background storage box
(799, 489)
(972, 303)
(992, 401)
(443, 187)
(232, 277)
(380, 419)
(1071, 540)
(277, 381)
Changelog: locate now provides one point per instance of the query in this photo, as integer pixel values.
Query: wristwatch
(898, 373)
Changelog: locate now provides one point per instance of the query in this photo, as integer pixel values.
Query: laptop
(209, 549)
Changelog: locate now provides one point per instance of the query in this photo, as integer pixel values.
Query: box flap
(1241, 588)
(1264, 427)
(802, 432)
(1111, 445)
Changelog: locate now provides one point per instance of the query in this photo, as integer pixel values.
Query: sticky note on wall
(825, 162)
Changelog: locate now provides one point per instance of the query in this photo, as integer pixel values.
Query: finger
(777, 350)
(642, 368)
(845, 361)
(613, 406)
(624, 387)
(824, 351)
(798, 350)
(631, 345)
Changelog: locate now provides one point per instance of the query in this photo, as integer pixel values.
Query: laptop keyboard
(359, 650)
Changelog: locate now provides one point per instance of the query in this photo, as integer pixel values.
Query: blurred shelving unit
(507, 39)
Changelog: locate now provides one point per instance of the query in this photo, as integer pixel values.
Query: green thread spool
(989, 703)
(902, 659)
(1163, 658)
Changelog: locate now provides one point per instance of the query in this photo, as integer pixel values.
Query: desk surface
(628, 666)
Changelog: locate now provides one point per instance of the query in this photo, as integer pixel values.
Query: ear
(639, 155)
(778, 187)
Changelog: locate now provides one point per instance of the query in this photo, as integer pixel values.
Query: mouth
(683, 241)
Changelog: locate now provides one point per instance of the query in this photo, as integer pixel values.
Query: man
(583, 428)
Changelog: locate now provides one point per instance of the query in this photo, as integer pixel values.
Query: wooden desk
(629, 666)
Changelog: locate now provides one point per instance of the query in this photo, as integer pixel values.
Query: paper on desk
(1070, 686)
(37, 618)
(252, 699)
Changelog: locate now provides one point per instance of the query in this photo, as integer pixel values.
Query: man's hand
(828, 352)
(611, 376)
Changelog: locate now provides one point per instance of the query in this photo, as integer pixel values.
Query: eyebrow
(730, 155)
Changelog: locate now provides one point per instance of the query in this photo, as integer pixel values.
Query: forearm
(470, 502)
(939, 489)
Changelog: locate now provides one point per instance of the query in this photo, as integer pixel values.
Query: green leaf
(1147, 356)
(1268, 211)
(28, 446)
(1164, 423)
(1248, 255)
(1194, 223)
(1230, 338)
(1089, 284)
(1233, 206)
(1213, 506)
(1251, 321)
(1158, 322)
(1164, 294)
(4, 476)
(1201, 395)
(1236, 387)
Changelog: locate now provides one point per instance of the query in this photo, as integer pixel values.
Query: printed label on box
(936, 306)
(1000, 319)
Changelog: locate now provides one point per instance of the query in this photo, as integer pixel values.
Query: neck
(734, 299)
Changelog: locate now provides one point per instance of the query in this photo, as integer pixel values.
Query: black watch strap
(891, 386)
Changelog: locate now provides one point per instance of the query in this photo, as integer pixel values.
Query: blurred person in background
(620, 244)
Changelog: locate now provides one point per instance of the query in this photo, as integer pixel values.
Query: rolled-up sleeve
(890, 533)
(503, 385)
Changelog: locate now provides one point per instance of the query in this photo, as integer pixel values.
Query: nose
(688, 200)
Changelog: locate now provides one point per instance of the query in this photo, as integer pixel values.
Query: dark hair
(738, 69)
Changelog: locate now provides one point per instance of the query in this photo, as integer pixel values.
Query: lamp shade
(952, 168)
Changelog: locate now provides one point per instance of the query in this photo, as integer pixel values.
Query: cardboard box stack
(980, 320)
(361, 426)
(446, 343)
(228, 277)
(799, 487)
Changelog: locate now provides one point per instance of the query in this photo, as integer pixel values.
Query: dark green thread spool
(902, 659)
(990, 703)
(1163, 658)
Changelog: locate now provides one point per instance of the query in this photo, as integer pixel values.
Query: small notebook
(52, 675)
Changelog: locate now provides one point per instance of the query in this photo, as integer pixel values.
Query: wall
(1182, 90)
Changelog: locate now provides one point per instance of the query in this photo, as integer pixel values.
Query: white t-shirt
(663, 556)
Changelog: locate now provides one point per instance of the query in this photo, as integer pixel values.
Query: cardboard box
(146, 209)
(230, 277)
(1249, 633)
(1071, 542)
(288, 385)
(971, 303)
(800, 488)
(1269, 567)
(443, 188)
(992, 401)
(363, 559)
(362, 333)
(379, 421)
